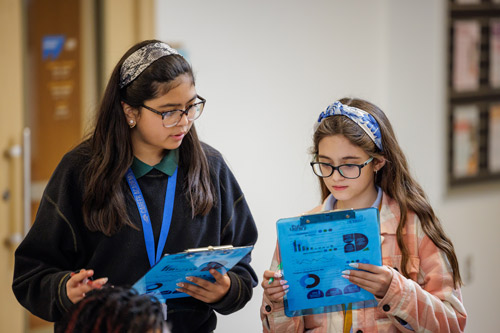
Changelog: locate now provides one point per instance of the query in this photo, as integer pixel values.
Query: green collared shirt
(167, 165)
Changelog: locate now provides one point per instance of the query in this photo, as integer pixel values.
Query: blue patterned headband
(141, 59)
(360, 117)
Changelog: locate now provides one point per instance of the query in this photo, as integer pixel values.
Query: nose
(336, 176)
(184, 120)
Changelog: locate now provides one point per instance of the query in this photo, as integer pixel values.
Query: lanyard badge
(168, 209)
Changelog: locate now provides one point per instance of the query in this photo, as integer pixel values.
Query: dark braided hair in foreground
(115, 309)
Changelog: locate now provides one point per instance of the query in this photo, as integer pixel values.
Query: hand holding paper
(274, 286)
(206, 267)
(316, 251)
(374, 279)
(206, 291)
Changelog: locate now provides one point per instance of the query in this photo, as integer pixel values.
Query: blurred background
(267, 69)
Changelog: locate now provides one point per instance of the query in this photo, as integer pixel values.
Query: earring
(131, 123)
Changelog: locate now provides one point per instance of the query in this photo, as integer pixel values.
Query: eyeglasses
(173, 117)
(349, 171)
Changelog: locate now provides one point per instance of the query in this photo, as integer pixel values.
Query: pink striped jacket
(427, 302)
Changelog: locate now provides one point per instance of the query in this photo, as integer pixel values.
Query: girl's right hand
(79, 284)
(277, 289)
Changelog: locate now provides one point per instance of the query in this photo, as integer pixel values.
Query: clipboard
(160, 281)
(316, 248)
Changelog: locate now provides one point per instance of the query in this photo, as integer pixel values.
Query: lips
(179, 136)
(339, 188)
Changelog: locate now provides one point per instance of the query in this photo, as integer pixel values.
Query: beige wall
(88, 55)
(11, 115)
(126, 22)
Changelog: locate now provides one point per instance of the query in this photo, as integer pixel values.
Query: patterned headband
(141, 59)
(362, 118)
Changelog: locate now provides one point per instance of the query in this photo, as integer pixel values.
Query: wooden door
(53, 82)
(11, 129)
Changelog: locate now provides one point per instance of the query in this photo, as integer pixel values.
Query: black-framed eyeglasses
(349, 171)
(173, 117)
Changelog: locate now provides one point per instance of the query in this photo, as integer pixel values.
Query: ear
(378, 163)
(130, 112)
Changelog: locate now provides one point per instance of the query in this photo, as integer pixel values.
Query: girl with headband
(141, 186)
(359, 164)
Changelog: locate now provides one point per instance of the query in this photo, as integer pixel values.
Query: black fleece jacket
(59, 243)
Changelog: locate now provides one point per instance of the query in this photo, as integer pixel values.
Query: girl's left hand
(206, 291)
(375, 279)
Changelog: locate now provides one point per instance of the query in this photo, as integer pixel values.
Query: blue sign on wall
(52, 46)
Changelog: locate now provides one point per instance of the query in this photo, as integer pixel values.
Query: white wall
(268, 68)
(417, 102)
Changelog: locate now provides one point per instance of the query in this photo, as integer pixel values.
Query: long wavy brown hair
(394, 178)
(110, 147)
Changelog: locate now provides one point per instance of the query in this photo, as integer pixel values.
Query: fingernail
(277, 274)
(189, 278)
(180, 284)
(282, 282)
(345, 277)
(346, 272)
(103, 280)
(286, 286)
(287, 290)
(353, 264)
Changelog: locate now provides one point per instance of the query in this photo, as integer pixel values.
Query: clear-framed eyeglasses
(173, 117)
(349, 171)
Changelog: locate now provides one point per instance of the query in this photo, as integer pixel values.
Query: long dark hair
(394, 178)
(110, 147)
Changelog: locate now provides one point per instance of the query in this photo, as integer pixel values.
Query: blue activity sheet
(316, 248)
(161, 279)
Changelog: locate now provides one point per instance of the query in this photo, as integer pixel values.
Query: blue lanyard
(168, 209)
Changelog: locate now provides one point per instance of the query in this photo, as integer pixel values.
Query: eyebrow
(178, 104)
(343, 158)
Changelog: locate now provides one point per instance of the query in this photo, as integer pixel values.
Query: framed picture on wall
(494, 139)
(465, 141)
(466, 55)
(495, 53)
(473, 81)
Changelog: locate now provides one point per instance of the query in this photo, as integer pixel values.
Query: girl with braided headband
(359, 164)
(143, 185)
